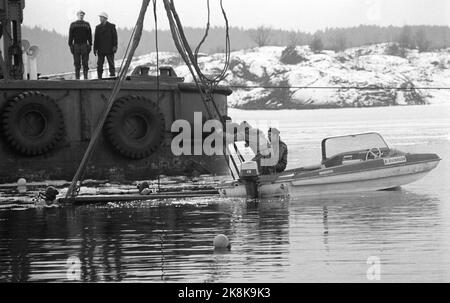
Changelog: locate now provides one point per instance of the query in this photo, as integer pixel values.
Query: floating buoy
(22, 185)
(221, 242)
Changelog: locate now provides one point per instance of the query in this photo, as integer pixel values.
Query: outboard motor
(249, 176)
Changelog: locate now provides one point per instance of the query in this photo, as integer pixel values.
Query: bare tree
(406, 39)
(422, 42)
(316, 44)
(339, 43)
(262, 35)
(294, 39)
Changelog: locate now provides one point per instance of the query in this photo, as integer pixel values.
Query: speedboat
(350, 164)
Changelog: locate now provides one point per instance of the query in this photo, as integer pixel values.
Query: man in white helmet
(105, 45)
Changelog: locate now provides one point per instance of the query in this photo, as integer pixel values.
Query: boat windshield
(339, 145)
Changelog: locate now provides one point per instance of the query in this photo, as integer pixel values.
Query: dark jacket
(281, 162)
(80, 33)
(283, 158)
(105, 38)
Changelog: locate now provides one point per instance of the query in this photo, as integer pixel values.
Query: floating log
(93, 199)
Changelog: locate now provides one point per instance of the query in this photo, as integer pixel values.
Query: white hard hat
(81, 12)
(103, 14)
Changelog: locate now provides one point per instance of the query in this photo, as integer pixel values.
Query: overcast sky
(305, 15)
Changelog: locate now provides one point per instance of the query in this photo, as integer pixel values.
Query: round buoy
(22, 185)
(221, 242)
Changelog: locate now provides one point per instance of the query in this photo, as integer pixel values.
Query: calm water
(303, 240)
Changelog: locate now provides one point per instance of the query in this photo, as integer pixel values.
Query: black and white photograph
(219, 142)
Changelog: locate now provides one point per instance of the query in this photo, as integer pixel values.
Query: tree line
(423, 38)
(55, 56)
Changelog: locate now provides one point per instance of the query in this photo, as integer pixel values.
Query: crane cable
(206, 86)
(158, 84)
(81, 177)
(182, 51)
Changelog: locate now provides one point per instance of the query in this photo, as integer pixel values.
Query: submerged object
(350, 164)
(50, 195)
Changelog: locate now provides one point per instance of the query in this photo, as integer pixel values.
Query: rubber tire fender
(135, 127)
(33, 123)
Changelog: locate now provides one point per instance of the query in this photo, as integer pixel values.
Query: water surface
(302, 240)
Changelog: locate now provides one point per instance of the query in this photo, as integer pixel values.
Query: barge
(46, 125)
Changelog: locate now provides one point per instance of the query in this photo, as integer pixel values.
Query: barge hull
(81, 104)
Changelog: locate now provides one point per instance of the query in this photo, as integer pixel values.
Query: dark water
(303, 240)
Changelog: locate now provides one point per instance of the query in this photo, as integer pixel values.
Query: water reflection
(143, 242)
(335, 236)
(275, 241)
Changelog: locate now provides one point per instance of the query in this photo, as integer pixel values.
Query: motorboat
(350, 164)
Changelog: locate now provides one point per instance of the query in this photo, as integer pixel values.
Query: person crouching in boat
(255, 139)
(280, 149)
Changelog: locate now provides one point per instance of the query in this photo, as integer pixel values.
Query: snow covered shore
(357, 77)
(261, 70)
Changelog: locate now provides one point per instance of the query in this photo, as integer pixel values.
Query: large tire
(135, 127)
(33, 124)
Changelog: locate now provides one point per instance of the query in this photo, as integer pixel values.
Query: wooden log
(128, 198)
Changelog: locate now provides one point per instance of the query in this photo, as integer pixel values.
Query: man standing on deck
(80, 43)
(279, 148)
(105, 45)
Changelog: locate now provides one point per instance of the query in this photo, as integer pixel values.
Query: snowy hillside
(332, 78)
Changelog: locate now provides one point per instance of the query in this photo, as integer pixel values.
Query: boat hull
(368, 176)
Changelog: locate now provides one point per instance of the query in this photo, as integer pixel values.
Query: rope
(127, 49)
(182, 50)
(221, 76)
(118, 83)
(157, 47)
(206, 86)
(155, 16)
(81, 177)
(337, 87)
